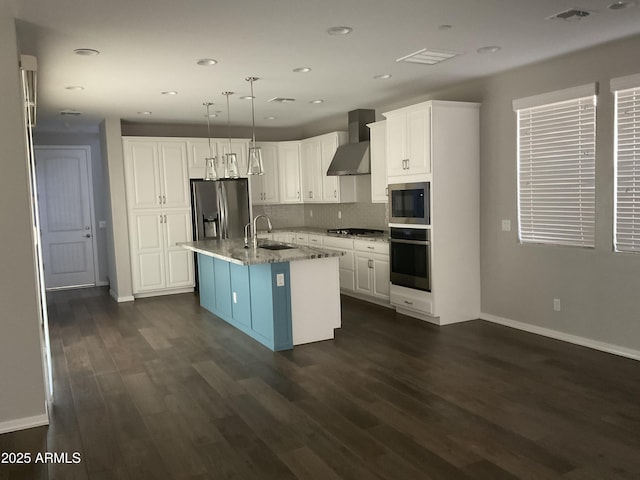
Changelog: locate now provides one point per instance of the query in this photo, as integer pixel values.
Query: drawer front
(302, 238)
(406, 301)
(371, 247)
(337, 242)
(315, 240)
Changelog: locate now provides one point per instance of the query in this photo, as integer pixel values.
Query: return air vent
(427, 56)
(281, 100)
(571, 15)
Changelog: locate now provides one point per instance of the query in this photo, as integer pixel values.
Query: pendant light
(231, 159)
(210, 161)
(254, 165)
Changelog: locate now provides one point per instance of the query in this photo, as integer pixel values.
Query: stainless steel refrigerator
(220, 209)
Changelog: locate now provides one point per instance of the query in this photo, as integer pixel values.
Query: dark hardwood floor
(161, 389)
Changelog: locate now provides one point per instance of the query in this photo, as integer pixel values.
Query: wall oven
(409, 203)
(410, 258)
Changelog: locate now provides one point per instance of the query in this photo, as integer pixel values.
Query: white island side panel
(315, 299)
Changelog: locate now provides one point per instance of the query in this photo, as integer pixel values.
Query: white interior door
(65, 206)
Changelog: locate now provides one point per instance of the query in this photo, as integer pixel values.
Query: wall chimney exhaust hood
(353, 158)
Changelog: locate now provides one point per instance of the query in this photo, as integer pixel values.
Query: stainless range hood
(353, 158)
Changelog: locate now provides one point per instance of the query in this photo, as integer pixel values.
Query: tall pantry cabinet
(159, 213)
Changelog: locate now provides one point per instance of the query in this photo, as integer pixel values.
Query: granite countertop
(383, 237)
(233, 251)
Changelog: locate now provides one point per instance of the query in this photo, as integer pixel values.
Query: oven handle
(410, 242)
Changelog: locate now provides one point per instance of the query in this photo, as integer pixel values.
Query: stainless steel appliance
(409, 203)
(410, 258)
(354, 158)
(220, 209)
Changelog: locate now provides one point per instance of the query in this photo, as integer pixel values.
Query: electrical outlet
(235, 298)
(311, 213)
(279, 279)
(556, 304)
(339, 214)
(506, 225)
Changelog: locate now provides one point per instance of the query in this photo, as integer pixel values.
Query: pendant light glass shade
(210, 161)
(230, 159)
(254, 163)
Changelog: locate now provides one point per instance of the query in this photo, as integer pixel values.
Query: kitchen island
(280, 295)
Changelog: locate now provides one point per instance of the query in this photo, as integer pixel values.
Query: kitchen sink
(276, 246)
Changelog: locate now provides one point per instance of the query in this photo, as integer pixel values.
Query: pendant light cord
(208, 104)
(253, 114)
(228, 119)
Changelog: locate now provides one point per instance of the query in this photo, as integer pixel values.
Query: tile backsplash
(357, 215)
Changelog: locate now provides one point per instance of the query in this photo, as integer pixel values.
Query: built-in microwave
(409, 203)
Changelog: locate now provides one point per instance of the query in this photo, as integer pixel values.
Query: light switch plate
(279, 279)
(506, 225)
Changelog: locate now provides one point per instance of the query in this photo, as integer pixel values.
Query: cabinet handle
(160, 199)
(370, 248)
(369, 263)
(160, 218)
(164, 199)
(386, 191)
(408, 302)
(335, 194)
(310, 194)
(298, 195)
(165, 219)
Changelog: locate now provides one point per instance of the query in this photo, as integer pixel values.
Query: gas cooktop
(359, 232)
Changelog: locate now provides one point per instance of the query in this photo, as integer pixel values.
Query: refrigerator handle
(194, 212)
(225, 205)
(221, 210)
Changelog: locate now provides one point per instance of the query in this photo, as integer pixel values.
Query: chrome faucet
(247, 233)
(255, 231)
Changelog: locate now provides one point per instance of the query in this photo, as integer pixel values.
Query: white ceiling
(152, 46)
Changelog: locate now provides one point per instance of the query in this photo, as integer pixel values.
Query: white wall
(22, 391)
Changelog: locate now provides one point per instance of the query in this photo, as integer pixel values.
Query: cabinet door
(174, 174)
(396, 140)
(330, 185)
(381, 276)
(179, 262)
(364, 280)
(311, 168)
(147, 250)
(197, 153)
(239, 147)
(289, 167)
(379, 192)
(240, 294)
(419, 141)
(269, 181)
(142, 176)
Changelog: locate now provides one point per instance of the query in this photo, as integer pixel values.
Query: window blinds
(556, 172)
(627, 171)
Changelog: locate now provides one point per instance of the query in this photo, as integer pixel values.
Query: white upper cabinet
(409, 141)
(156, 173)
(379, 190)
(265, 188)
(198, 151)
(289, 167)
(311, 163)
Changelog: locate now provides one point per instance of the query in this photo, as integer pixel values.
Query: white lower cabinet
(347, 264)
(372, 273)
(157, 263)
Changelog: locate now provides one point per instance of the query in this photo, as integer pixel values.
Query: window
(627, 164)
(556, 167)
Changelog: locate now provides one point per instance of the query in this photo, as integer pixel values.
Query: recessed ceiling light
(269, 118)
(339, 30)
(169, 92)
(74, 87)
(490, 49)
(86, 52)
(302, 70)
(146, 112)
(246, 97)
(445, 27)
(315, 102)
(621, 5)
(206, 61)
(70, 113)
(382, 76)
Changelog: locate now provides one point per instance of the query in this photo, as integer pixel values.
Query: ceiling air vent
(282, 100)
(427, 56)
(570, 15)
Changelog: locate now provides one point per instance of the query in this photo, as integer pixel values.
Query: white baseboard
(24, 423)
(565, 337)
(121, 299)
